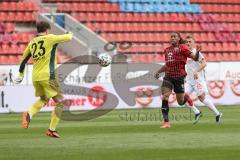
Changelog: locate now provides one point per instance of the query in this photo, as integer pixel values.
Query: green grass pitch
(125, 135)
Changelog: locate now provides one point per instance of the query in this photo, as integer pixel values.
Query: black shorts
(177, 84)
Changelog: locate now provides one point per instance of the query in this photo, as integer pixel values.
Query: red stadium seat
(18, 37)
(18, 57)
(134, 58)
(160, 58)
(12, 6)
(143, 58)
(238, 57)
(151, 58)
(136, 17)
(148, 27)
(3, 16)
(116, 17)
(112, 7)
(20, 16)
(63, 8)
(225, 46)
(214, 8)
(210, 47)
(4, 59)
(238, 44)
(233, 46)
(13, 59)
(114, 36)
(4, 6)
(218, 47)
(96, 17)
(217, 56)
(5, 48)
(233, 56)
(92, 7)
(14, 49)
(77, 7)
(22, 6)
(12, 16)
(32, 6)
(28, 17)
(25, 37)
(22, 47)
(166, 18)
(210, 37)
(75, 15)
(211, 57)
(83, 16)
(187, 27)
(9, 27)
(196, 27)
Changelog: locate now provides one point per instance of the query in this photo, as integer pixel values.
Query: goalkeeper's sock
(36, 107)
(55, 117)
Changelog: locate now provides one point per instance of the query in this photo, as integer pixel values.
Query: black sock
(165, 110)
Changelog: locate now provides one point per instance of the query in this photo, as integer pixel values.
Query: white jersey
(192, 66)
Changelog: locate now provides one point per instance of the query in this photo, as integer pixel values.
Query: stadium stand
(12, 41)
(146, 24)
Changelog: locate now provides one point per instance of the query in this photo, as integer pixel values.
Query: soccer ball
(104, 59)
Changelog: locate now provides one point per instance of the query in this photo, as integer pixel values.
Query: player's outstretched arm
(195, 57)
(162, 69)
(202, 65)
(26, 56)
(62, 38)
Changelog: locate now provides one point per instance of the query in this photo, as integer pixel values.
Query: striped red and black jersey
(175, 58)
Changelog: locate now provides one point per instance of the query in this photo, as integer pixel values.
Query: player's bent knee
(58, 98)
(165, 96)
(180, 102)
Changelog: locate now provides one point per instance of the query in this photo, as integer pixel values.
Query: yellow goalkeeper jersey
(42, 50)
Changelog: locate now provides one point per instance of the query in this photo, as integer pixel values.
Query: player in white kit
(195, 82)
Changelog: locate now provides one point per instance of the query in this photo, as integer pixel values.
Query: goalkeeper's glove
(19, 79)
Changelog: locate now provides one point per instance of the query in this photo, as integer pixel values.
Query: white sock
(211, 106)
(194, 109)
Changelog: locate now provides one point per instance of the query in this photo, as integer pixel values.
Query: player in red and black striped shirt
(175, 60)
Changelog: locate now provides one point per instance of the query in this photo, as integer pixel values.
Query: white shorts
(199, 87)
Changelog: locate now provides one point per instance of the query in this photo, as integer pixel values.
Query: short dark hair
(42, 26)
(190, 37)
(181, 41)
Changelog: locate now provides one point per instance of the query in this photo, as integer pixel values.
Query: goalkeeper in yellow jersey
(42, 50)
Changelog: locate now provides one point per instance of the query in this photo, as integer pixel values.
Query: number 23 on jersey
(38, 50)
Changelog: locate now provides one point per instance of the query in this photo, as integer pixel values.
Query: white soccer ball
(104, 59)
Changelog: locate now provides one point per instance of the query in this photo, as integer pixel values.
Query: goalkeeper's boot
(25, 120)
(53, 134)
